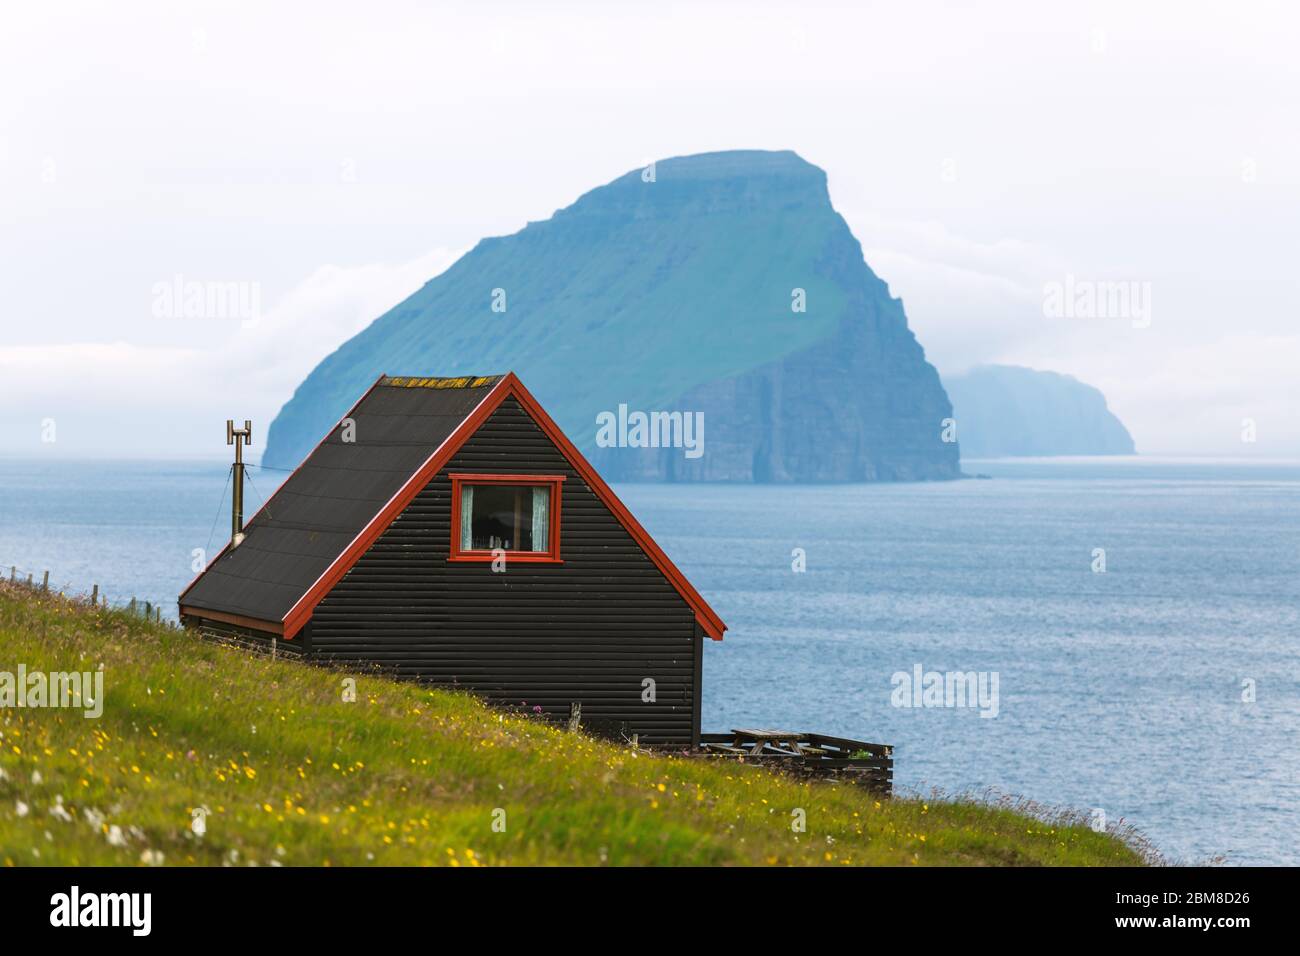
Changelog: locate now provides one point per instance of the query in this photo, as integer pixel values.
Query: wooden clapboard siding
(589, 630)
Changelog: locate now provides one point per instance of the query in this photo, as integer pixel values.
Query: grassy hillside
(292, 774)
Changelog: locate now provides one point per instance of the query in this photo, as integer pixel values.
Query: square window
(515, 514)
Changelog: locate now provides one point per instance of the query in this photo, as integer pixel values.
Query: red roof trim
(300, 613)
(509, 385)
(705, 615)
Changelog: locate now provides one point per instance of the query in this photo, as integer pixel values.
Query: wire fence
(39, 579)
(96, 597)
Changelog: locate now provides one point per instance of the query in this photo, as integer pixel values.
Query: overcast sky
(332, 158)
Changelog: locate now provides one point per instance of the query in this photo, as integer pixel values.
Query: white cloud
(1181, 389)
(975, 157)
(104, 398)
(968, 302)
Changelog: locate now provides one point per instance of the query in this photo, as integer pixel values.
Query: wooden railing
(807, 754)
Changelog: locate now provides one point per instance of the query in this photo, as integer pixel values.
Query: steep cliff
(723, 284)
(1007, 410)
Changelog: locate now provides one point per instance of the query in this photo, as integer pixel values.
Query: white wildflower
(21, 809)
(115, 836)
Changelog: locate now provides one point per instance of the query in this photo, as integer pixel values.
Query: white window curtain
(466, 517)
(541, 518)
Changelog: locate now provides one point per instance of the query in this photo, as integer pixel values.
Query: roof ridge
(439, 381)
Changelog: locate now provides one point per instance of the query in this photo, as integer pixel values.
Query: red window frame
(552, 553)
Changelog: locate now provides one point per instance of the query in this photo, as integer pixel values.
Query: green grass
(291, 773)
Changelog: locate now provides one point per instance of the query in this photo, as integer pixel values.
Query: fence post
(45, 582)
(94, 595)
(13, 572)
(131, 607)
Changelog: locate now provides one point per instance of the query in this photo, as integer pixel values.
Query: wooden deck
(807, 754)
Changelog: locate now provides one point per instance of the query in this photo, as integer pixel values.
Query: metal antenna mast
(239, 437)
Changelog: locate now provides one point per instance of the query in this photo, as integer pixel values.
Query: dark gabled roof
(331, 497)
(345, 494)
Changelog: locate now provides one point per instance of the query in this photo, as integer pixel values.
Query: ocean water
(1119, 691)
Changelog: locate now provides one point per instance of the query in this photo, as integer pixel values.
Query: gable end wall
(589, 630)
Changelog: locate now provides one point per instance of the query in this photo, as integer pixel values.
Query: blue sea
(1163, 691)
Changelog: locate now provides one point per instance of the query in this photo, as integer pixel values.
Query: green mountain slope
(674, 294)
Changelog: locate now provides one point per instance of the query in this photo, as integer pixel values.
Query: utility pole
(239, 437)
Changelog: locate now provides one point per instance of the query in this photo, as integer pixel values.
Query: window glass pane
(541, 506)
(466, 516)
(511, 517)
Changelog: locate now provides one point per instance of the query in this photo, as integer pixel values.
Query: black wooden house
(448, 531)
